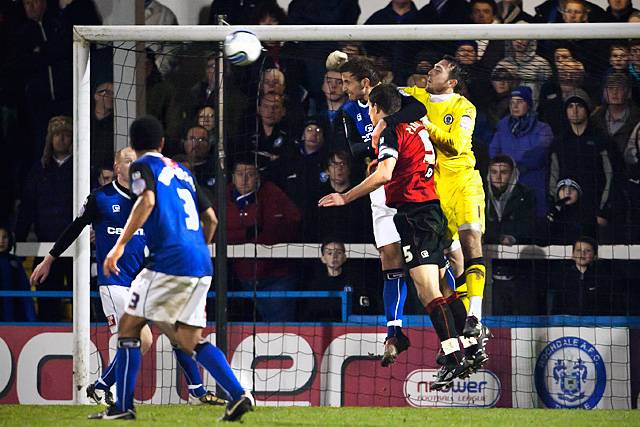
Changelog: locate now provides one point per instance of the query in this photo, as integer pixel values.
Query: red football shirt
(412, 179)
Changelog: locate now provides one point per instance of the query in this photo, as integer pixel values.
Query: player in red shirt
(405, 166)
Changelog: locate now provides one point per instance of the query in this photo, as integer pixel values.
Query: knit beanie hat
(523, 92)
(578, 96)
(568, 182)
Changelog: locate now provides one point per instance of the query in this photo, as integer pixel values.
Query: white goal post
(84, 35)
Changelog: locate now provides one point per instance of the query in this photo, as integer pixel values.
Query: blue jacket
(531, 154)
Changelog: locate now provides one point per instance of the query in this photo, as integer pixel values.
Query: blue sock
(450, 276)
(216, 363)
(128, 357)
(108, 377)
(191, 373)
(394, 295)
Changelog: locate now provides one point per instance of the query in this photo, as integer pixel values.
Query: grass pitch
(199, 415)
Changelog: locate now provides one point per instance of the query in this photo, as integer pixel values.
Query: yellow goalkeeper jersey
(451, 119)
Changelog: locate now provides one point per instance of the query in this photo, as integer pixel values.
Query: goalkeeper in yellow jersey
(450, 121)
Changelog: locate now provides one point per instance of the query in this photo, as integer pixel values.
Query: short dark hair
(492, 3)
(362, 68)
(618, 44)
(456, 70)
(387, 97)
(146, 133)
(339, 154)
(245, 158)
(328, 240)
(503, 158)
(589, 240)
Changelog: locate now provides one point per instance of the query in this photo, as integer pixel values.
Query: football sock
(450, 276)
(108, 377)
(394, 295)
(128, 357)
(459, 314)
(461, 290)
(475, 275)
(191, 372)
(444, 325)
(214, 361)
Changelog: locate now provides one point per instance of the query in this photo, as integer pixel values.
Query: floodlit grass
(199, 415)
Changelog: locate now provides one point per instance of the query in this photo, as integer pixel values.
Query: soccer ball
(242, 47)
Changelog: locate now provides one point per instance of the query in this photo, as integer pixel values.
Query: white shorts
(114, 299)
(165, 298)
(384, 229)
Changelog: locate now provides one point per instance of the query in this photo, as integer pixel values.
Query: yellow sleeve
(454, 140)
(418, 93)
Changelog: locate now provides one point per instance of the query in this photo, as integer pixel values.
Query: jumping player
(404, 170)
(172, 289)
(107, 210)
(450, 121)
(359, 77)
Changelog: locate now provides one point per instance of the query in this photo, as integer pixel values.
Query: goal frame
(83, 36)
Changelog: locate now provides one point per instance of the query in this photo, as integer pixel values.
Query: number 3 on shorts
(133, 303)
(408, 256)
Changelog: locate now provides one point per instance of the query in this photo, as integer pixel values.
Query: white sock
(475, 307)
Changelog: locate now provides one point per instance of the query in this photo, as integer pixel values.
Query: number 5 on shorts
(408, 256)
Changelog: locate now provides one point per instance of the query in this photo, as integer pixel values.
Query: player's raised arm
(86, 216)
(411, 110)
(456, 129)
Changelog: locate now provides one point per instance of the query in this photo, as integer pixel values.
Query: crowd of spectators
(557, 131)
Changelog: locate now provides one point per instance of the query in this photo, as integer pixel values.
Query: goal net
(298, 291)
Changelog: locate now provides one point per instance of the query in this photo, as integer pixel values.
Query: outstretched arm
(87, 215)
(377, 179)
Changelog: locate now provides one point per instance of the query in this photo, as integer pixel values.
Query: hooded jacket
(586, 159)
(510, 213)
(533, 69)
(531, 154)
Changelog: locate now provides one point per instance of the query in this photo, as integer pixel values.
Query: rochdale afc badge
(570, 373)
(448, 119)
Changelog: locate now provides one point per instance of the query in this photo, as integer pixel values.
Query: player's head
(585, 251)
(501, 169)
(333, 253)
(384, 100)
(123, 159)
(445, 76)
(146, 133)
(245, 176)
(359, 75)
